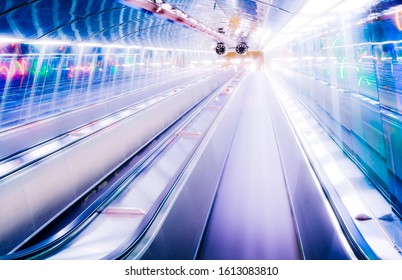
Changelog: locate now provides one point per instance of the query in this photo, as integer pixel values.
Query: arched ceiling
(108, 21)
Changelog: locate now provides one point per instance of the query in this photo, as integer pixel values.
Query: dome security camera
(220, 49)
(241, 48)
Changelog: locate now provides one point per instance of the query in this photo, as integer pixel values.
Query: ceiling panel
(107, 21)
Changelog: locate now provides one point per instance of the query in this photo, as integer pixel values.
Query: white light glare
(8, 166)
(322, 20)
(49, 42)
(253, 67)
(348, 6)
(298, 21)
(9, 40)
(90, 45)
(116, 46)
(317, 7)
(207, 61)
(44, 150)
(134, 47)
(156, 49)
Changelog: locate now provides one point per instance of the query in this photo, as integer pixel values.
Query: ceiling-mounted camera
(220, 49)
(241, 48)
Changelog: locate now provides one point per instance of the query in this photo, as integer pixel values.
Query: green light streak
(343, 68)
(363, 78)
(335, 42)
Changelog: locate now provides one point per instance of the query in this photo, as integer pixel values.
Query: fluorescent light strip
(48, 42)
(10, 40)
(89, 45)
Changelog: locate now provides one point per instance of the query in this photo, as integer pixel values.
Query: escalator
(58, 240)
(231, 181)
(252, 218)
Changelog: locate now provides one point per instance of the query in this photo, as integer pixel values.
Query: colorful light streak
(336, 42)
(18, 69)
(398, 20)
(363, 55)
(82, 69)
(343, 68)
(364, 78)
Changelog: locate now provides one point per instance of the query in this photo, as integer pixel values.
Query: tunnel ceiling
(107, 21)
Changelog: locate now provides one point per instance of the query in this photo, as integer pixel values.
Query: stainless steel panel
(16, 220)
(48, 189)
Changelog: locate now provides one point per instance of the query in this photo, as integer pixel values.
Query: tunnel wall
(349, 75)
(44, 78)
